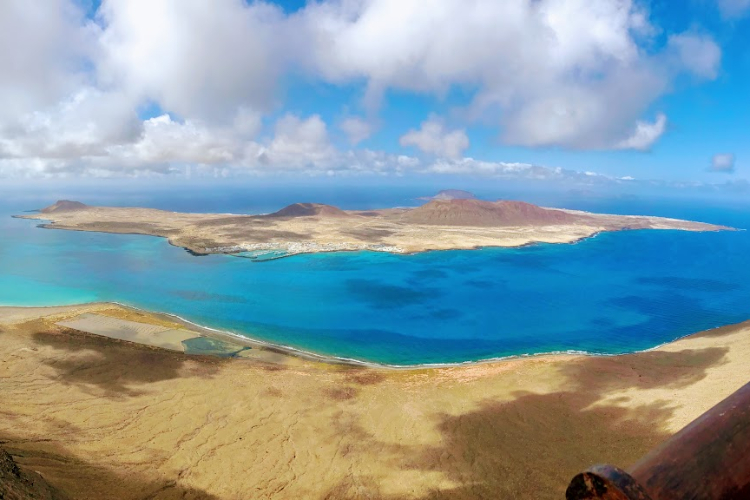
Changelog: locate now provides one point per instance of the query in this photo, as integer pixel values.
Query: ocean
(614, 293)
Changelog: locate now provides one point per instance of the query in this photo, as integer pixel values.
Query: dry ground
(102, 418)
(382, 230)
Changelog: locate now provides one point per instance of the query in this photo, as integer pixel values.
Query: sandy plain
(103, 418)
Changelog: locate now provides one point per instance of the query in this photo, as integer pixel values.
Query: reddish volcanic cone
(309, 210)
(64, 206)
(487, 213)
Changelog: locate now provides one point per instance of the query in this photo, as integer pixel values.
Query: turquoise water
(615, 293)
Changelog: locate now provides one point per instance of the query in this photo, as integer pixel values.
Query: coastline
(306, 355)
(103, 418)
(51, 224)
(394, 359)
(328, 229)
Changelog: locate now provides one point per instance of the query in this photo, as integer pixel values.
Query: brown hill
(487, 213)
(16, 484)
(64, 206)
(309, 210)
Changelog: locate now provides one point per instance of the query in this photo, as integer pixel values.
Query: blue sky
(705, 118)
(562, 91)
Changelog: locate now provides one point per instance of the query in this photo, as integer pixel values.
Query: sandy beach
(106, 418)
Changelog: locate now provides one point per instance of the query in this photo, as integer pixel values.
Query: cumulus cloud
(168, 146)
(196, 59)
(485, 168)
(298, 143)
(167, 141)
(356, 129)
(43, 50)
(86, 124)
(569, 73)
(733, 8)
(432, 138)
(645, 134)
(722, 163)
(558, 72)
(698, 53)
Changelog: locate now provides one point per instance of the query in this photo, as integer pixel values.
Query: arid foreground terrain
(88, 417)
(440, 224)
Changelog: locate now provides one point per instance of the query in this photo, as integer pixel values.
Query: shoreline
(105, 418)
(312, 356)
(51, 224)
(330, 230)
(301, 353)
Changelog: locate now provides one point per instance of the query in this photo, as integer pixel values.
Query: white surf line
(305, 354)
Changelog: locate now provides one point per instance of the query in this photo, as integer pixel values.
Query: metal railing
(707, 460)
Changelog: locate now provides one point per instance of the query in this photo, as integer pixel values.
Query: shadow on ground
(70, 477)
(530, 447)
(525, 448)
(117, 368)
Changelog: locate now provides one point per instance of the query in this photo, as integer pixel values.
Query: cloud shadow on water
(668, 316)
(426, 276)
(383, 296)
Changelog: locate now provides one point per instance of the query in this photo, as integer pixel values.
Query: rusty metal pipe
(707, 460)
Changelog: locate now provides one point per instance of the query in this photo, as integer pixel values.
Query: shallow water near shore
(617, 292)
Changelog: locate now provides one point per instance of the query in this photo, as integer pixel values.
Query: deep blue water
(615, 293)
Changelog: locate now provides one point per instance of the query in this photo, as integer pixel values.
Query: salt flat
(132, 331)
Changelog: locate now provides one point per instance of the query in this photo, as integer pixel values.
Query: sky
(584, 93)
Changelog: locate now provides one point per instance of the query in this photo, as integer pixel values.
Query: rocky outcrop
(16, 484)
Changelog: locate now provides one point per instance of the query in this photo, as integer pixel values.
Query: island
(445, 223)
(450, 194)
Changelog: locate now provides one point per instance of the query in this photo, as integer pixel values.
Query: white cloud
(196, 59)
(569, 73)
(44, 47)
(512, 171)
(394, 43)
(356, 129)
(698, 53)
(86, 124)
(432, 138)
(484, 168)
(645, 134)
(297, 144)
(558, 72)
(733, 8)
(722, 163)
(597, 115)
(167, 141)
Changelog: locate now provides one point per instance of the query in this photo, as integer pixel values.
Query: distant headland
(450, 194)
(450, 220)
